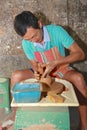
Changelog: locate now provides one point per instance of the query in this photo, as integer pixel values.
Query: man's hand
(40, 70)
(49, 67)
(37, 75)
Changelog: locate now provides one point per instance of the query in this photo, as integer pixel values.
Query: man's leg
(16, 77)
(78, 81)
(83, 116)
(20, 75)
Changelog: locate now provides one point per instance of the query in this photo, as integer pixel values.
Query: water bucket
(4, 94)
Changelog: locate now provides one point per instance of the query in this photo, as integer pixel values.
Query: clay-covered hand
(40, 70)
(49, 67)
(36, 75)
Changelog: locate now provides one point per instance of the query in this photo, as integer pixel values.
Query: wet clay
(54, 89)
(48, 83)
(55, 98)
(51, 85)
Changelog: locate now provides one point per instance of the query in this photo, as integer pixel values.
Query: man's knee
(14, 78)
(78, 76)
(16, 74)
(73, 76)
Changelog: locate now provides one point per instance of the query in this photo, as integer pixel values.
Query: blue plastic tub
(26, 92)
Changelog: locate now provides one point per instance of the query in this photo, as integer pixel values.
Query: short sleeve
(64, 37)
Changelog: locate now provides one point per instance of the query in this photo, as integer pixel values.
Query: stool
(4, 94)
(57, 116)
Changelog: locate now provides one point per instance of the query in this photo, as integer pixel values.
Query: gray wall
(72, 14)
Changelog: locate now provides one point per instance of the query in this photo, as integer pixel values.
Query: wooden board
(70, 98)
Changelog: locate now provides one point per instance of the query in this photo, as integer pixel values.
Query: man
(45, 46)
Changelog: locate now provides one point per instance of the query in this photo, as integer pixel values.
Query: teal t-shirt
(58, 37)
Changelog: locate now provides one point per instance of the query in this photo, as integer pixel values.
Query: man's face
(34, 35)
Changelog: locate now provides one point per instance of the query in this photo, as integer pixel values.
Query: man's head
(25, 20)
(27, 25)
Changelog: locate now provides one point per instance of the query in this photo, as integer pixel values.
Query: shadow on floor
(74, 114)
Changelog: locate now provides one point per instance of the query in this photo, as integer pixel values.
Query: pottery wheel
(52, 86)
(57, 87)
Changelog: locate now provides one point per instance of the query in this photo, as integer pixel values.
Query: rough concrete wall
(70, 13)
(77, 22)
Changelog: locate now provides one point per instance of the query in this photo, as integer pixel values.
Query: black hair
(25, 20)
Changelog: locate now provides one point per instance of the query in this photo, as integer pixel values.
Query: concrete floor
(5, 118)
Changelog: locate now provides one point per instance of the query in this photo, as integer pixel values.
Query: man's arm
(38, 69)
(34, 65)
(76, 54)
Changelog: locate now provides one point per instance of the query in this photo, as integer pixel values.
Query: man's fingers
(44, 75)
(46, 72)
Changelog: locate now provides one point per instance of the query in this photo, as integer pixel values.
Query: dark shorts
(31, 70)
